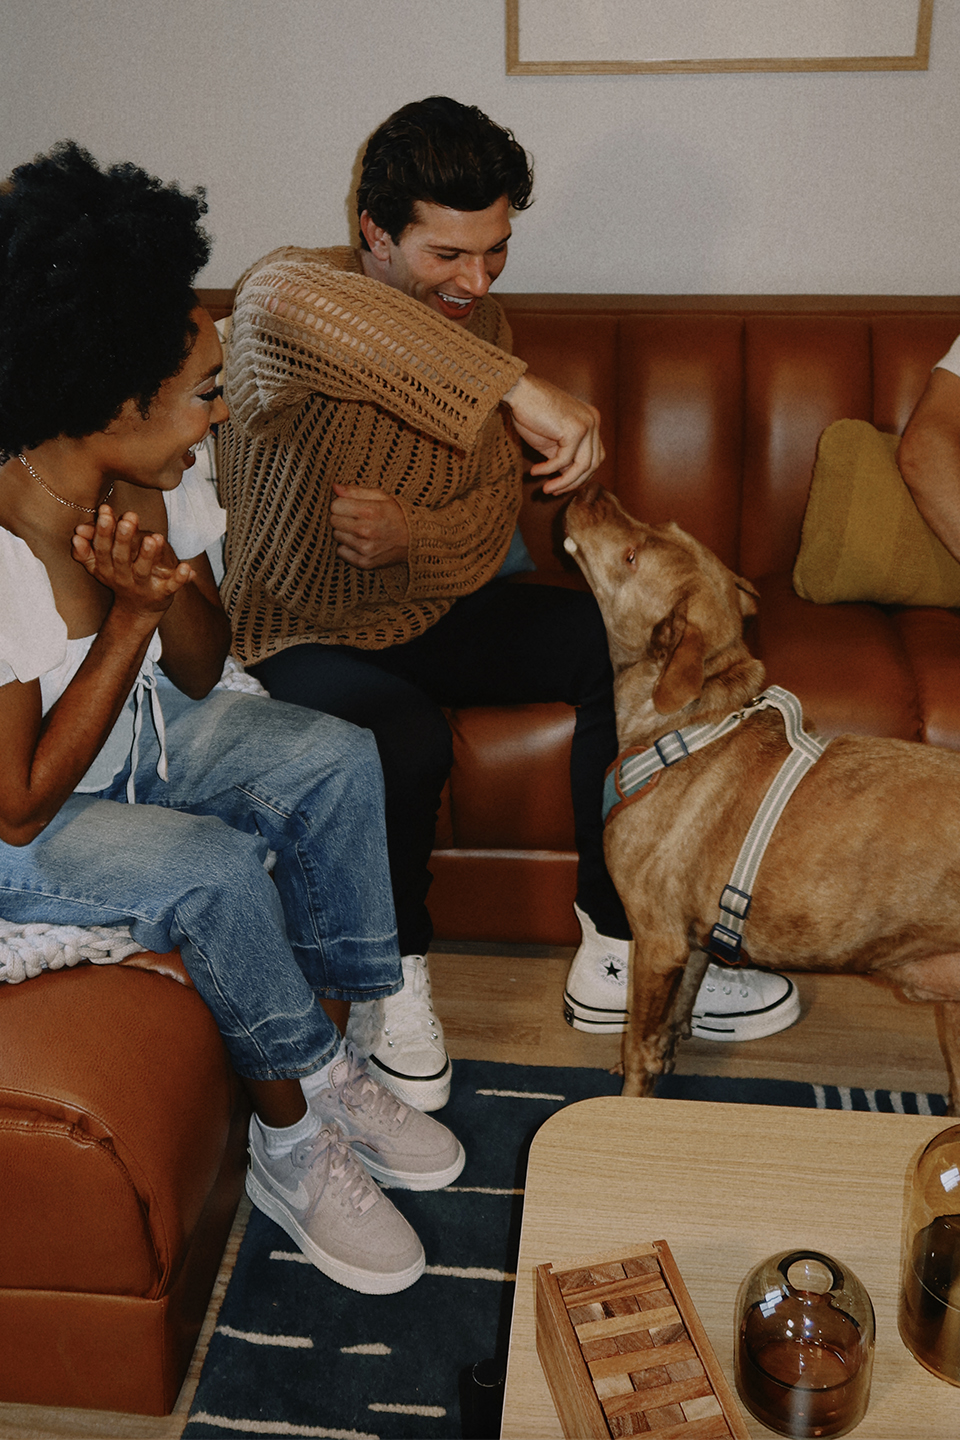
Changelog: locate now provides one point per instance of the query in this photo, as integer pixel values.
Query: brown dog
(862, 873)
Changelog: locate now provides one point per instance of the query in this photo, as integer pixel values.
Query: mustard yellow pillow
(863, 536)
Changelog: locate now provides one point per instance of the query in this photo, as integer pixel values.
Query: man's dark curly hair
(96, 289)
(442, 152)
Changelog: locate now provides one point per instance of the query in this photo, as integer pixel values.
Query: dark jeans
(505, 644)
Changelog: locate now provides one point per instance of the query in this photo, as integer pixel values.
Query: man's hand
(564, 429)
(369, 527)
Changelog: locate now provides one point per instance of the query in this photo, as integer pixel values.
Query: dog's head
(671, 608)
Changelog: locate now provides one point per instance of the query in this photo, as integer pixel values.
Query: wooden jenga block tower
(624, 1351)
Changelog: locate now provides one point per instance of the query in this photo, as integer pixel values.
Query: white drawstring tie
(146, 681)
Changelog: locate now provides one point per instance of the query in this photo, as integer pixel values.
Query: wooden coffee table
(726, 1186)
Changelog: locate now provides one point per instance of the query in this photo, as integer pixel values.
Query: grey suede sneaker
(399, 1145)
(322, 1196)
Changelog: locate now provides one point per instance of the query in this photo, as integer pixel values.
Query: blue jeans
(184, 867)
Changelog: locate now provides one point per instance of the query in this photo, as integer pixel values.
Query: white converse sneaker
(403, 1040)
(730, 1004)
(322, 1196)
(595, 995)
(743, 1004)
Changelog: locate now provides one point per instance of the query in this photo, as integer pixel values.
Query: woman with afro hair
(134, 789)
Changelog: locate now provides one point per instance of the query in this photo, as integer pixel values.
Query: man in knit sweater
(372, 477)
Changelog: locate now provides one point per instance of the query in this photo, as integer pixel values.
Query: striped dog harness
(637, 770)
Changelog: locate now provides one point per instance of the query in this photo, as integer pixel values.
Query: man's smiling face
(446, 258)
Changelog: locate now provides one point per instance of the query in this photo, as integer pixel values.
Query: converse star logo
(613, 971)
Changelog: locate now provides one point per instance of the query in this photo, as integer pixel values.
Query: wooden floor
(504, 1004)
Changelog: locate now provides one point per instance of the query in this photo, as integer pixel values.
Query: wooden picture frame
(581, 37)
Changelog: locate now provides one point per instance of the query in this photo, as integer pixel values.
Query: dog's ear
(747, 596)
(681, 679)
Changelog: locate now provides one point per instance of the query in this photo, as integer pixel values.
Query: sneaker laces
(341, 1169)
(359, 1093)
(716, 979)
(409, 1013)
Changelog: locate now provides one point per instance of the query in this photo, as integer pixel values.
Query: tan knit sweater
(333, 377)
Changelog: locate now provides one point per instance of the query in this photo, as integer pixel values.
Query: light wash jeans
(184, 866)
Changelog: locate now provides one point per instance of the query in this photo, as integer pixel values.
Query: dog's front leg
(693, 973)
(948, 1027)
(651, 1035)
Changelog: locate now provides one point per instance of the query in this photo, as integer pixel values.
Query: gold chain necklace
(87, 509)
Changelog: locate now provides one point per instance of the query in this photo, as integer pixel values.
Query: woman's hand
(147, 579)
(140, 568)
(43, 758)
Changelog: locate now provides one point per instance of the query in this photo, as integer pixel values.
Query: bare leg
(339, 1012)
(278, 1103)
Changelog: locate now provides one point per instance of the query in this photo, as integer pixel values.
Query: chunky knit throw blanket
(27, 950)
(334, 377)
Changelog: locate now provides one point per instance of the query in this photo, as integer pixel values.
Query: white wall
(724, 183)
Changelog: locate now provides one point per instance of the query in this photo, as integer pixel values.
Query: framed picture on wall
(610, 37)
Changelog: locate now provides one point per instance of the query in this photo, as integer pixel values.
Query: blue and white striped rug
(296, 1355)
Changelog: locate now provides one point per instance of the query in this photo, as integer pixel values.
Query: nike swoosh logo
(298, 1199)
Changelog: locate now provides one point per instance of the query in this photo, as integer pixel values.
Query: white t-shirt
(34, 644)
(951, 361)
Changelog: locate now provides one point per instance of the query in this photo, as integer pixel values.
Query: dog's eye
(631, 557)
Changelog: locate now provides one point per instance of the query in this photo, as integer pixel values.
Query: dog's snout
(589, 495)
(589, 501)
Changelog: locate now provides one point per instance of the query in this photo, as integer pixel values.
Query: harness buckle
(725, 944)
(735, 902)
(671, 748)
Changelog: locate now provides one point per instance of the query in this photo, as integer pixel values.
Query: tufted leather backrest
(712, 408)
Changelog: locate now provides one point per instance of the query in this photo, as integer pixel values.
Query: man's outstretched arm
(565, 430)
(302, 326)
(929, 457)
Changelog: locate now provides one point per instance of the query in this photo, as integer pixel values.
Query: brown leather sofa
(121, 1124)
